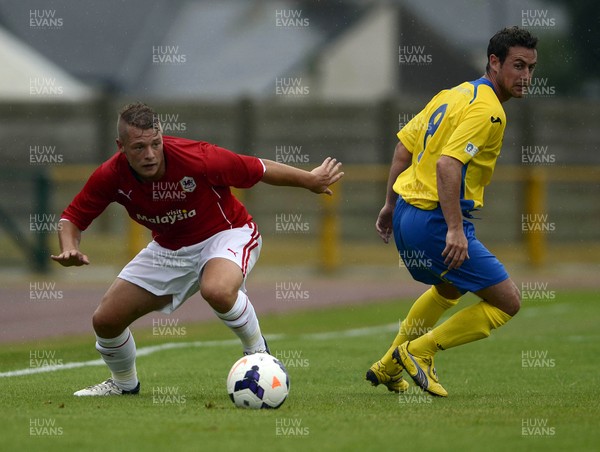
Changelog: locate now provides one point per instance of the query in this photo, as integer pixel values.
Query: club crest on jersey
(188, 184)
(471, 149)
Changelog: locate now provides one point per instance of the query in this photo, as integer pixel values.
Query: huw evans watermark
(45, 19)
(537, 155)
(44, 427)
(44, 358)
(167, 327)
(168, 395)
(170, 122)
(407, 120)
(414, 259)
(414, 328)
(165, 258)
(168, 55)
(536, 359)
(539, 87)
(168, 191)
(45, 86)
(290, 427)
(536, 427)
(290, 86)
(44, 291)
(291, 223)
(292, 358)
(411, 55)
(291, 155)
(537, 18)
(290, 18)
(536, 291)
(290, 291)
(44, 223)
(44, 155)
(536, 222)
(415, 395)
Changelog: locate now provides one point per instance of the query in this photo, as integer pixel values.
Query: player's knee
(507, 298)
(219, 295)
(105, 324)
(449, 292)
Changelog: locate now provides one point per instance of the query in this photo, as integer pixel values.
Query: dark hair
(138, 115)
(506, 38)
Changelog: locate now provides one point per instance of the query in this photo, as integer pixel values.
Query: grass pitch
(532, 385)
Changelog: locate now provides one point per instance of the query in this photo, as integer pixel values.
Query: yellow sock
(423, 315)
(467, 325)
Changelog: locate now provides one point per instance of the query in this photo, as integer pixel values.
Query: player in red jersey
(203, 237)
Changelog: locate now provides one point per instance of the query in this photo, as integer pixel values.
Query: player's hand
(71, 258)
(384, 224)
(456, 250)
(328, 173)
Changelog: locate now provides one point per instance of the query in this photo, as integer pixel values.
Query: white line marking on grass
(350, 333)
(545, 311)
(40, 370)
(145, 351)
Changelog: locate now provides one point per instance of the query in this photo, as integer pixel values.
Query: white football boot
(106, 388)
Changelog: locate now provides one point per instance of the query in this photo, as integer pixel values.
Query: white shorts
(162, 271)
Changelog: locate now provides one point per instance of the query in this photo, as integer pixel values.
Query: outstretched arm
(318, 180)
(69, 237)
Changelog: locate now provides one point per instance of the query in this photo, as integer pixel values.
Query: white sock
(242, 320)
(119, 355)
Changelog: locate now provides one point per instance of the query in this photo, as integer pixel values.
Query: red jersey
(190, 203)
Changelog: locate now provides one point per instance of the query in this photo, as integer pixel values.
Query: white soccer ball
(258, 381)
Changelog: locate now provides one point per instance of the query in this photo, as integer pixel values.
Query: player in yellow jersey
(444, 159)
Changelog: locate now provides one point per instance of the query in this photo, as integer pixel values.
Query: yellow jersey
(466, 122)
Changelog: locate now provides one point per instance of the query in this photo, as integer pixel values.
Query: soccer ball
(258, 381)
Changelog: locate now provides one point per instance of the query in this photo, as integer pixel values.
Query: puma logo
(127, 195)
(234, 253)
(495, 120)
